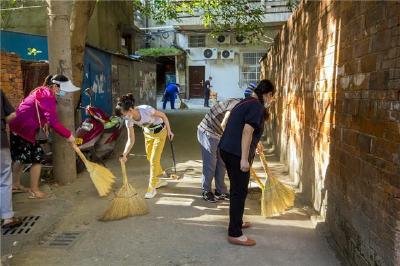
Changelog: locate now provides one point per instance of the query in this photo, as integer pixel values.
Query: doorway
(196, 81)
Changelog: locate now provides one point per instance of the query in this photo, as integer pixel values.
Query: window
(197, 41)
(250, 69)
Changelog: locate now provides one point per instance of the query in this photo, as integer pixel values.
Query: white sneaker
(150, 194)
(161, 183)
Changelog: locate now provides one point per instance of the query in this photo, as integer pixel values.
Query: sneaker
(221, 196)
(209, 196)
(151, 193)
(161, 183)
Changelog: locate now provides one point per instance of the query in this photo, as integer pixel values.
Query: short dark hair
(124, 103)
(263, 87)
(59, 77)
(48, 81)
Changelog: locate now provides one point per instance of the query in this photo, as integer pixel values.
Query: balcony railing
(274, 11)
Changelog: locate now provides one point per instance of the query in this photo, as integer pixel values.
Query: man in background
(170, 94)
(207, 90)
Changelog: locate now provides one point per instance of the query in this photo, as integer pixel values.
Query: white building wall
(225, 72)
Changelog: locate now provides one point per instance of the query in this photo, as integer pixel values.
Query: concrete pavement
(181, 228)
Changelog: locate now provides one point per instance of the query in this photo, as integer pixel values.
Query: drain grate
(27, 224)
(64, 239)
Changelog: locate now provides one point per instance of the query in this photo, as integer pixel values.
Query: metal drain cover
(27, 224)
(64, 239)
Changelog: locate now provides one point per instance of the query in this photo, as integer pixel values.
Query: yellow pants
(154, 147)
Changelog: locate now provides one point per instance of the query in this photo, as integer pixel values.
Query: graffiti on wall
(146, 84)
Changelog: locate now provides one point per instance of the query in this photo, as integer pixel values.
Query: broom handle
(264, 162)
(255, 176)
(79, 152)
(124, 176)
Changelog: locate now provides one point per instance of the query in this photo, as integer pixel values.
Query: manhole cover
(27, 224)
(64, 239)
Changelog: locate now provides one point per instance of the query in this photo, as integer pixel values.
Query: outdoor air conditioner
(223, 39)
(195, 54)
(210, 53)
(228, 54)
(240, 39)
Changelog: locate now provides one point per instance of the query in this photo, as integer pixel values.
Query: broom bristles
(276, 198)
(102, 178)
(126, 203)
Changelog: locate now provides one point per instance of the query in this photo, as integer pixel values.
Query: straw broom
(126, 203)
(276, 197)
(102, 178)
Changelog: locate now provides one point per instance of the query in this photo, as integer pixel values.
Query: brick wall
(11, 77)
(336, 65)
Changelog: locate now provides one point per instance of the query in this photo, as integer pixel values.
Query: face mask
(266, 105)
(61, 93)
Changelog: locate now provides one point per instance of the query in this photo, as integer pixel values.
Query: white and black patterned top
(211, 123)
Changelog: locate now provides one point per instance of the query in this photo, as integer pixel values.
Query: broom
(126, 203)
(102, 178)
(276, 197)
(182, 104)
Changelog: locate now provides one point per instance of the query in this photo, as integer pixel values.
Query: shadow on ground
(181, 228)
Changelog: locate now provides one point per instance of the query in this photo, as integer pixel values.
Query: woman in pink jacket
(24, 147)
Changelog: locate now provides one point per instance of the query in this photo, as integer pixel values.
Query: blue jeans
(6, 185)
(213, 165)
(169, 97)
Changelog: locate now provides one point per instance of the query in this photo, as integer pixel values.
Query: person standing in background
(207, 90)
(7, 114)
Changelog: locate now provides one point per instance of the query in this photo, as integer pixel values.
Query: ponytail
(124, 103)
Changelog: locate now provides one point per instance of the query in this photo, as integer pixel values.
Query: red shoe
(237, 241)
(246, 225)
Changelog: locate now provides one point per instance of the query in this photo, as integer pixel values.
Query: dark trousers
(239, 186)
(169, 97)
(206, 99)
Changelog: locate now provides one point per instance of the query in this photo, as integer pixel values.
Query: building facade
(231, 60)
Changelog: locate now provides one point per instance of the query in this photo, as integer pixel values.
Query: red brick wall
(11, 77)
(336, 65)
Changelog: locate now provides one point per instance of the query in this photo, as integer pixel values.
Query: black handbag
(42, 134)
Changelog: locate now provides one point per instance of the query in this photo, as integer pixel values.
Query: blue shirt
(172, 88)
(248, 111)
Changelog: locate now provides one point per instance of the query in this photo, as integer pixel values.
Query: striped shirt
(211, 123)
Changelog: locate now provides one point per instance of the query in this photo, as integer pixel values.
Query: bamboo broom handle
(79, 152)
(264, 162)
(255, 176)
(124, 175)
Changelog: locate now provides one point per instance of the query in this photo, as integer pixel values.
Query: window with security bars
(197, 41)
(250, 69)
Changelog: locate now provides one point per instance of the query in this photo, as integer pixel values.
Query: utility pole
(59, 47)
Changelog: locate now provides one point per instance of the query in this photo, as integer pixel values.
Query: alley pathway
(181, 228)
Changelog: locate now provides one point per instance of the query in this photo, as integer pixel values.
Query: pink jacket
(26, 122)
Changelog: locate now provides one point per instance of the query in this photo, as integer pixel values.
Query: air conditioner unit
(210, 53)
(195, 54)
(228, 54)
(239, 39)
(224, 39)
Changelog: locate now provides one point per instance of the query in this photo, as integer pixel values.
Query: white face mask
(267, 105)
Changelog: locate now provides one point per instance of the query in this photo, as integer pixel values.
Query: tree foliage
(240, 16)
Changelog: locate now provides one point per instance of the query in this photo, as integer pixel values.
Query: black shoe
(221, 196)
(16, 222)
(209, 196)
